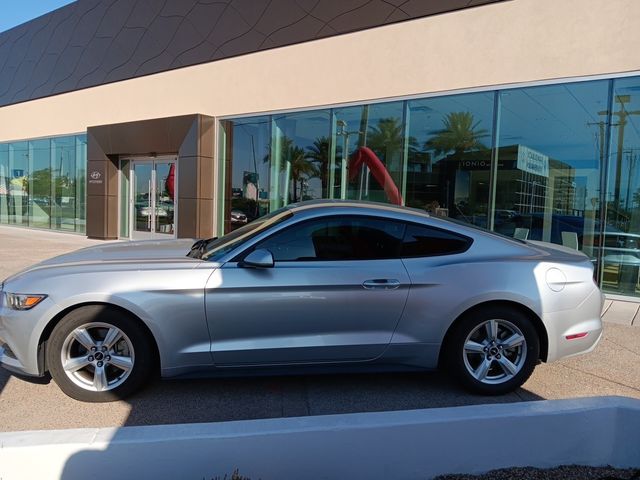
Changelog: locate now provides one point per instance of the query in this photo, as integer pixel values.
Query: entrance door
(153, 205)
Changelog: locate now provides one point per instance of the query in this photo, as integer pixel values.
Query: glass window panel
(142, 196)
(4, 183)
(125, 182)
(549, 163)
(223, 208)
(164, 210)
(299, 157)
(64, 185)
(358, 174)
(19, 183)
(248, 152)
(81, 183)
(449, 156)
(621, 245)
(40, 183)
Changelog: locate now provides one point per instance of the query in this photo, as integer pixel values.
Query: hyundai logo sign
(96, 177)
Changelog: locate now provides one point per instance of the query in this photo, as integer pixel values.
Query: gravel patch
(565, 472)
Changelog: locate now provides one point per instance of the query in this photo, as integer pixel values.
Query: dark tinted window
(420, 241)
(347, 238)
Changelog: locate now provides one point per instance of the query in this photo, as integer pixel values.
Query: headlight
(22, 301)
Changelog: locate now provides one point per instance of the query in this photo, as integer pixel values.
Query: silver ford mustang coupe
(317, 286)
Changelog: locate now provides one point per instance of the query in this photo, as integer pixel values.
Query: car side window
(344, 238)
(422, 241)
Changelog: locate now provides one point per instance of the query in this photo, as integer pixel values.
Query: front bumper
(11, 363)
(20, 332)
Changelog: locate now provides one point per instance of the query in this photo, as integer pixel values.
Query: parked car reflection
(238, 217)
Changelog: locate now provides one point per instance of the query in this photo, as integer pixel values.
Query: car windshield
(217, 248)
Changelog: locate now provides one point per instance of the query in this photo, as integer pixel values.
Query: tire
(95, 371)
(492, 368)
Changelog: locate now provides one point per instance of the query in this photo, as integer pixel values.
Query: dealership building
(139, 119)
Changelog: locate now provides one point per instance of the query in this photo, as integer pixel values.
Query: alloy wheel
(495, 351)
(97, 356)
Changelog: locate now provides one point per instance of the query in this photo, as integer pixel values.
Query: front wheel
(492, 350)
(99, 354)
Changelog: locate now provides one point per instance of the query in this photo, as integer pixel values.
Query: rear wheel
(493, 350)
(99, 354)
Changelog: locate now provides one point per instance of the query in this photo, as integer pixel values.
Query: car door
(335, 293)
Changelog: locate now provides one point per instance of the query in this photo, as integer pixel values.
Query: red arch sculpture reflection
(380, 173)
(170, 182)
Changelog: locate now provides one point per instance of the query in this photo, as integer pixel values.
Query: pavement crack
(602, 378)
(637, 354)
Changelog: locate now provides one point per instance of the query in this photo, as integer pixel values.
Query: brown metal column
(102, 193)
(195, 180)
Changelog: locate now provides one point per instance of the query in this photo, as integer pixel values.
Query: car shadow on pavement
(228, 399)
(5, 376)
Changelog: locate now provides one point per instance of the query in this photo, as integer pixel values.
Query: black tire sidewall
(454, 353)
(143, 363)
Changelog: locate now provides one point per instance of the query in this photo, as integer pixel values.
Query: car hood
(138, 251)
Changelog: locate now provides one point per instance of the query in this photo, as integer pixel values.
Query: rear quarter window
(422, 241)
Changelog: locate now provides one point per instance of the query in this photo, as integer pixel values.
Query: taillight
(576, 335)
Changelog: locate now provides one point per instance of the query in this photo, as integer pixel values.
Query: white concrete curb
(388, 445)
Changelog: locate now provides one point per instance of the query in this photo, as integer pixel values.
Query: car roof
(382, 207)
(396, 210)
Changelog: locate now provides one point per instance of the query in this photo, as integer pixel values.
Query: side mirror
(260, 258)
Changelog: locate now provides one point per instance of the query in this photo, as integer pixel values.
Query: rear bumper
(583, 320)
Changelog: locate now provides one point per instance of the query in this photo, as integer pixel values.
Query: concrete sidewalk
(622, 312)
(21, 247)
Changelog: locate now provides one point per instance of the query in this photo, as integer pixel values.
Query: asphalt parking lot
(612, 369)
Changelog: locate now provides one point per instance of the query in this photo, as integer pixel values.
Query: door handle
(381, 284)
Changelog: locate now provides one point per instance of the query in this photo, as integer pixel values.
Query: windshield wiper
(199, 247)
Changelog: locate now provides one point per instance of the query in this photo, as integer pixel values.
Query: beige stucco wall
(510, 42)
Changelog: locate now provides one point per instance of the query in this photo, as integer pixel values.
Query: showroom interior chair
(570, 239)
(521, 233)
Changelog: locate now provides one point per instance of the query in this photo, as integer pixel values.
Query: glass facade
(557, 163)
(620, 237)
(43, 183)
